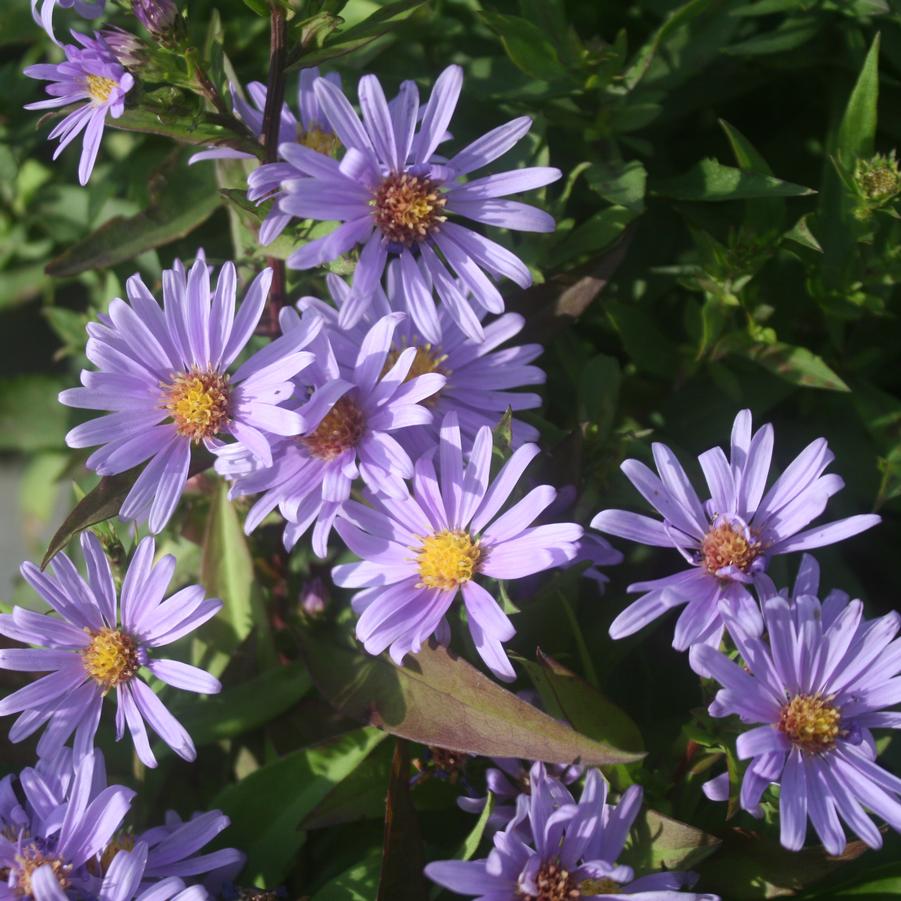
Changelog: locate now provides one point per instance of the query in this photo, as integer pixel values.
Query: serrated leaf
(439, 699)
(267, 806)
(711, 181)
(182, 198)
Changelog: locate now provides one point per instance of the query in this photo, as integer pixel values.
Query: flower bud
(878, 179)
(313, 598)
(128, 48)
(157, 16)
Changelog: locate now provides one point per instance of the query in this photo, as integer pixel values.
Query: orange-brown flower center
(341, 429)
(724, 545)
(28, 861)
(554, 884)
(810, 722)
(111, 658)
(199, 402)
(407, 208)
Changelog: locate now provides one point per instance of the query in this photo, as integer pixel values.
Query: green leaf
(358, 883)
(527, 46)
(711, 181)
(193, 130)
(599, 387)
(19, 285)
(857, 132)
(582, 705)
(472, 841)
(267, 806)
(246, 706)
(622, 185)
(661, 842)
(642, 338)
(646, 53)
(403, 858)
(181, 198)
(796, 365)
(31, 418)
(791, 34)
(438, 699)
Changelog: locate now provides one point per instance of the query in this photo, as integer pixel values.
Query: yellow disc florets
(100, 87)
(724, 545)
(407, 208)
(199, 402)
(448, 559)
(554, 884)
(810, 722)
(428, 359)
(111, 658)
(32, 858)
(341, 429)
(321, 141)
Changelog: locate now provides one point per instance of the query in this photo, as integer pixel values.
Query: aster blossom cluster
(351, 392)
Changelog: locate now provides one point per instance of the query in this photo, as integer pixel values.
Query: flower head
(557, 849)
(88, 9)
(816, 687)
(421, 549)
(727, 541)
(481, 379)
(96, 643)
(157, 16)
(164, 373)
(349, 420)
(91, 73)
(395, 198)
(309, 128)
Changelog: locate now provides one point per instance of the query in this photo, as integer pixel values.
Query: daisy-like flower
(349, 420)
(816, 688)
(164, 375)
(90, 73)
(482, 379)
(727, 541)
(556, 849)
(422, 549)
(87, 9)
(393, 197)
(308, 129)
(97, 642)
(59, 842)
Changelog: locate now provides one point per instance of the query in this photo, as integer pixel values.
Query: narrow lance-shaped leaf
(439, 699)
(711, 181)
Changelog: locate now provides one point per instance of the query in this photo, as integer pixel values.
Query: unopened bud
(128, 48)
(313, 598)
(157, 16)
(878, 179)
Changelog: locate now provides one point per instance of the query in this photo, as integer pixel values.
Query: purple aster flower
(45, 856)
(817, 687)
(394, 197)
(98, 642)
(349, 419)
(164, 375)
(92, 73)
(309, 129)
(421, 549)
(728, 541)
(87, 9)
(556, 849)
(481, 379)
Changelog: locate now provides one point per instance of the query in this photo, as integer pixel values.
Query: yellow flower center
(341, 429)
(32, 858)
(811, 722)
(407, 208)
(448, 559)
(321, 141)
(427, 359)
(100, 87)
(199, 403)
(724, 545)
(111, 658)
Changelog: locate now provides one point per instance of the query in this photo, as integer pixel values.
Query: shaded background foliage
(713, 252)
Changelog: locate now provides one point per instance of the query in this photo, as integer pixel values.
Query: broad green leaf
(796, 365)
(711, 181)
(267, 807)
(403, 858)
(438, 699)
(39, 490)
(642, 59)
(185, 129)
(658, 841)
(31, 418)
(246, 706)
(358, 883)
(879, 882)
(593, 236)
(582, 705)
(181, 199)
(620, 185)
(527, 46)
(21, 284)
